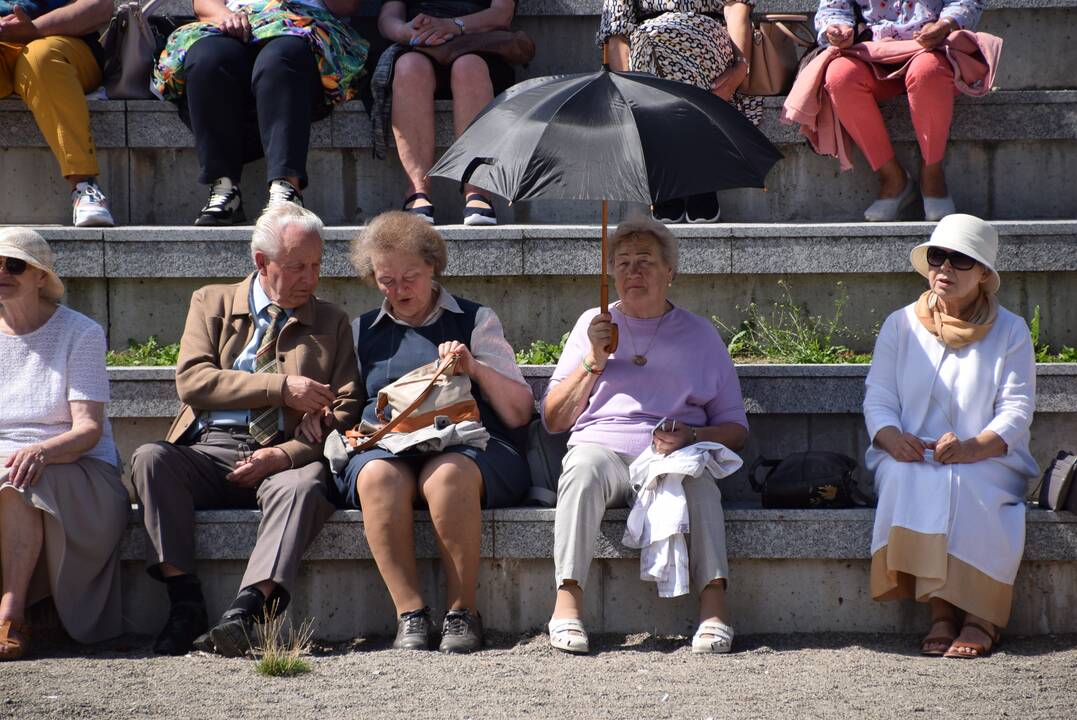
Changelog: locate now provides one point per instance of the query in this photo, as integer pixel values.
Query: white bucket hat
(25, 244)
(966, 234)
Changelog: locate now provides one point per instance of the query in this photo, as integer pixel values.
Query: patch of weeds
(278, 653)
(150, 352)
(1043, 350)
(787, 333)
(541, 352)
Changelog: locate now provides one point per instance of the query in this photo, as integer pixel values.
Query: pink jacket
(974, 57)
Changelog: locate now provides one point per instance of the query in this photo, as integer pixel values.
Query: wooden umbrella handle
(604, 283)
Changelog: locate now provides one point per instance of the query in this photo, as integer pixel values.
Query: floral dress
(683, 40)
(339, 50)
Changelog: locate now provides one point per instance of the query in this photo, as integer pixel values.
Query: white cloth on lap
(658, 520)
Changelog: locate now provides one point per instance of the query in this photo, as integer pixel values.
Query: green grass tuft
(541, 352)
(150, 352)
(278, 653)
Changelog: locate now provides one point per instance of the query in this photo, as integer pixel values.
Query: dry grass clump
(278, 651)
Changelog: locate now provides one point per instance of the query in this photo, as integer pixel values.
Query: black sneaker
(703, 208)
(282, 191)
(461, 632)
(669, 212)
(413, 630)
(225, 205)
(186, 621)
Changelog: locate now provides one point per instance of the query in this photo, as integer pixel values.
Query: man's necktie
(264, 424)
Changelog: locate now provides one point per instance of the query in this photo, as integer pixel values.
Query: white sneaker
(90, 206)
(936, 208)
(281, 191)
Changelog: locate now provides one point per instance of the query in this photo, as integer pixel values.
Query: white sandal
(712, 638)
(567, 634)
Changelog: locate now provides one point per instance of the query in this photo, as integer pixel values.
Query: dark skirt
(505, 475)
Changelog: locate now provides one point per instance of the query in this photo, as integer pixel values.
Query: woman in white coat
(949, 402)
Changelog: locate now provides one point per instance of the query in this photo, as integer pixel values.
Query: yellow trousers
(52, 75)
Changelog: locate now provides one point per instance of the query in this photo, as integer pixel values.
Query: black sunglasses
(14, 266)
(958, 261)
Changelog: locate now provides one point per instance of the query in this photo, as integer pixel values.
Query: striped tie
(264, 420)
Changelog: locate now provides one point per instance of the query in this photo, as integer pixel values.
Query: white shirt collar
(445, 301)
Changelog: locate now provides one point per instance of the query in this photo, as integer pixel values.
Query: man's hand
(840, 36)
(262, 463)
(18, 27)
(312, 427)
(306, 395)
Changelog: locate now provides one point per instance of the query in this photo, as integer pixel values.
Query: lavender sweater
(688, 377)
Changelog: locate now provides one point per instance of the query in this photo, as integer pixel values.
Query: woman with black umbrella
(668, 385)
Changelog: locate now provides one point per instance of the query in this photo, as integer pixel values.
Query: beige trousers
(594, 478)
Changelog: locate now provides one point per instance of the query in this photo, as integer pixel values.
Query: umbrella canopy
(629, 137)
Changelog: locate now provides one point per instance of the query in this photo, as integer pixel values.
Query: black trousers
(244, 101)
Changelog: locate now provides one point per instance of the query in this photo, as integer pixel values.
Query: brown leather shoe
(14, 639)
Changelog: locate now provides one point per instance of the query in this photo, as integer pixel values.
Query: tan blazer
(316, 342)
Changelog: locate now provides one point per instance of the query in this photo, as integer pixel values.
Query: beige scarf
(954, 332)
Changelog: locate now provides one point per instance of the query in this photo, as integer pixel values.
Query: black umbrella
(629, 137)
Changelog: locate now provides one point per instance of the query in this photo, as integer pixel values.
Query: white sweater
(42, 372)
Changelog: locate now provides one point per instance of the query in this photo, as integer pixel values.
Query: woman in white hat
(949, 402)
(63, 508)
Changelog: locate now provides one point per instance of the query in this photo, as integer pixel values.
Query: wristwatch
(460, 24)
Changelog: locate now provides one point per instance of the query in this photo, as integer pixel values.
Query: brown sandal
(978, 650)
(14, 639)
(946, 640)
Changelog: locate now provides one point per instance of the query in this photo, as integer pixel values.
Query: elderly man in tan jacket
(255, 357)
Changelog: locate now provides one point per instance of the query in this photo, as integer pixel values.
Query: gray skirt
(84, 510)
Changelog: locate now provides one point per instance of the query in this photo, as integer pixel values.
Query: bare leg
(413, 119)
(933, 180)
(21, 537)
(451, 485)
(387, 494)
(569, 602)
(712, 605)
(472, 90)
(943, 625)
(892, 179)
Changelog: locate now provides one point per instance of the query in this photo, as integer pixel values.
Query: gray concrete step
(790, 408)
(137, 281)
(791, 571)
(1009, 158)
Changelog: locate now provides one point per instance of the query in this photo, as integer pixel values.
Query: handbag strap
(792, 34)
(756, 464)
(449, 363)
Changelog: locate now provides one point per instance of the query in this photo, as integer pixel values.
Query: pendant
(640, 360)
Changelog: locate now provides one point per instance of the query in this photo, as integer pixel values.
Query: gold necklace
(640, 358)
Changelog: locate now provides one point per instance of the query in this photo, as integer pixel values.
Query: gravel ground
(635, 676)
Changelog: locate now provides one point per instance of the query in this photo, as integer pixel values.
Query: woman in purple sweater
(669, 364)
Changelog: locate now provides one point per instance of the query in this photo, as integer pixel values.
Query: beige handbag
(775, 43)
(416, 399)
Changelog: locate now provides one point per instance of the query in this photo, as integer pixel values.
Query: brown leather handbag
(776, 41)
(514, 47)
(415, 399)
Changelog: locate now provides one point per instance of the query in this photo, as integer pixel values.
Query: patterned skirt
(339, 50)
(689, 48)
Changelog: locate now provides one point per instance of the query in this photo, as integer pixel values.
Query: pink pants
(855, 93)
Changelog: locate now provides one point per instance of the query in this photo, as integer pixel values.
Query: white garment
(42, 372)
(658, 520)
(920, 386)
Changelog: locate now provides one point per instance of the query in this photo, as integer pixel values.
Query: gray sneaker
(413, 630)
(461, 632)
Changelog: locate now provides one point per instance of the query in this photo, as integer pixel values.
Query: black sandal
(426, 212)
(479, 215)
